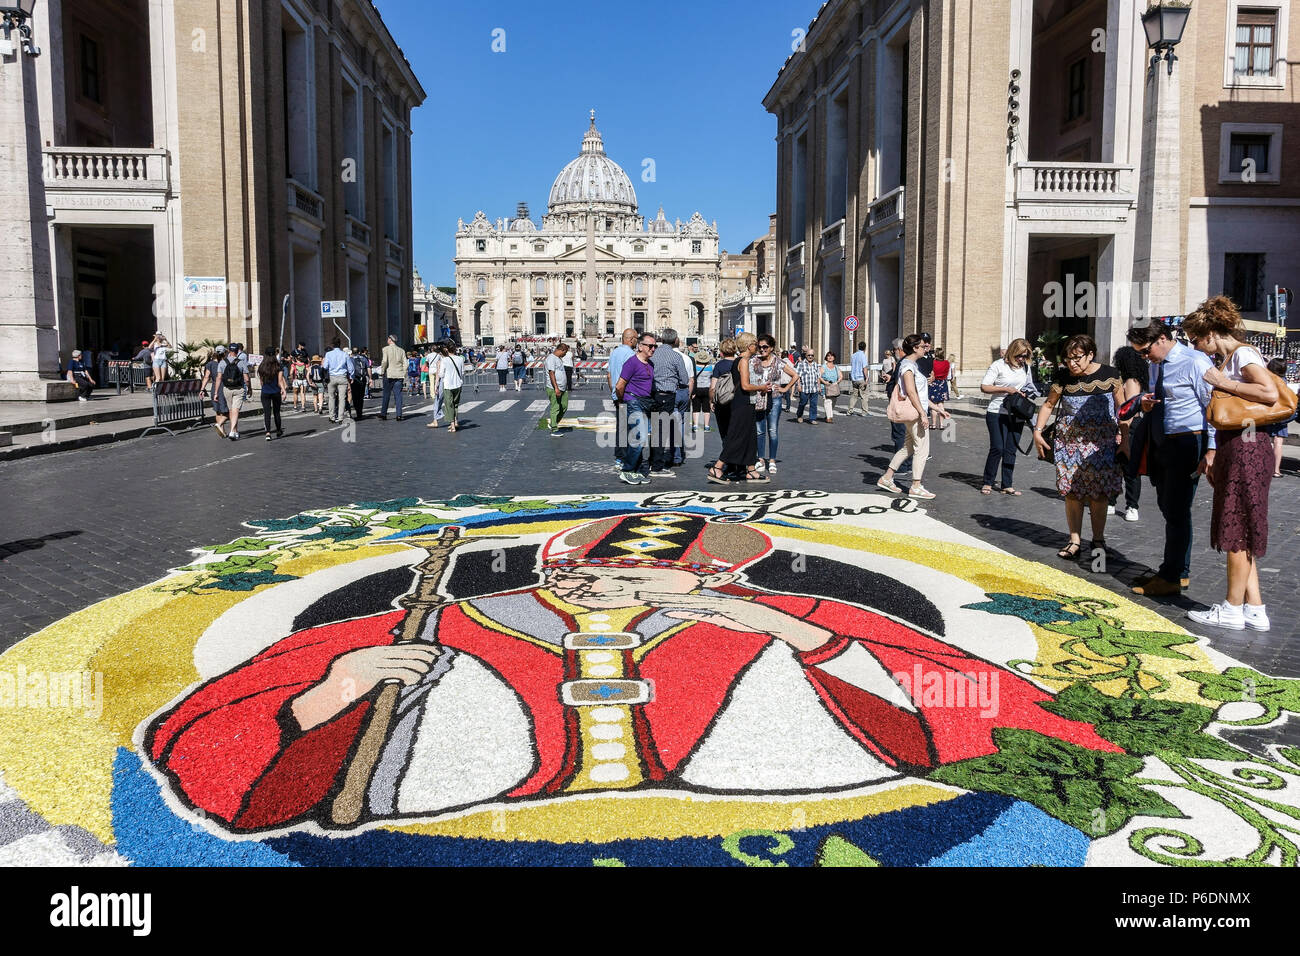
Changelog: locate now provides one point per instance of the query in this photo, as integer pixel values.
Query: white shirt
(452, 371)
(1238, 360)
(1002, 375)
(919, 380)
(690, 363)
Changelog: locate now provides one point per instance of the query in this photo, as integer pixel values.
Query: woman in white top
(436, 365)
(160, 351)
(915, 388)
(1006, 376)
(1239, 466)
(503, 368)
(451, 374)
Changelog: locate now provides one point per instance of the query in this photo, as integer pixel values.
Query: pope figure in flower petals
(644, 662)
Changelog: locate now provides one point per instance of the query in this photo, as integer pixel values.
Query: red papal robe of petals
(234, 750)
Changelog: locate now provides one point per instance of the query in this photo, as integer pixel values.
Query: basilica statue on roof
(592, 268)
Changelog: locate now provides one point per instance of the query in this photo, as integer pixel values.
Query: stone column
(29, 341)
(1157, 261)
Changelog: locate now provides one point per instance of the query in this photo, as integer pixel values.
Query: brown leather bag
(1233, 413)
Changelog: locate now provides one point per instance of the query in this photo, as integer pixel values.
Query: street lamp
(16, 13)
(1164, 24)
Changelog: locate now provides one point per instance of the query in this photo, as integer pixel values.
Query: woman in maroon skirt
(1239, 467)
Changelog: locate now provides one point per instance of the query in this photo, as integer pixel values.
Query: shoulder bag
(900, 410)
(1233, 413)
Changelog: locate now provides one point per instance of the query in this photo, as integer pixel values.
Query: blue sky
(677, 82)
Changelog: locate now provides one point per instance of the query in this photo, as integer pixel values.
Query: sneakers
(220, 431)
(1255, 617)
(708, 428)
(633, 477)
(889, 486)
(1110, 509)
(556, 433)
(1130, 514)
(270, 437)
(234, 436)
(920, 492)
(1222, 615)
(760, 465)
(661, 473)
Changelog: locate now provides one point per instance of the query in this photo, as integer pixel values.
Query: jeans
(1004, 436)
(766, 423)
(1171, 465)
(805, 399)
(638, 432)
(663, 410)
(358, 397)
(271, 409)
(392, 386)
(620, 430)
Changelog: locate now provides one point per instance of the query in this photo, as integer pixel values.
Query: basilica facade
(593, 267)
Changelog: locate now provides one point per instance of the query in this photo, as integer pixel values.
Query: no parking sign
(851, 323)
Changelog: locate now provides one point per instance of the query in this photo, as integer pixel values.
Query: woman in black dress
(740, 444)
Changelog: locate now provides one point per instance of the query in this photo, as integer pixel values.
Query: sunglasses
(651, 345)
(765, 348)
(1144, 351)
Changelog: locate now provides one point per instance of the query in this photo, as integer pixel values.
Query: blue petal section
(150, 834)
(910, 837)
(1023, 834)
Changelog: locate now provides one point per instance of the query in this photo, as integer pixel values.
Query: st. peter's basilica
(593, 268)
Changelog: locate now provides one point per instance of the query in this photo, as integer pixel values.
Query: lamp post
(29, 340)
(1157, 258)
(1164, 24)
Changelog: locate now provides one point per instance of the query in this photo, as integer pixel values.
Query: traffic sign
(851, 323)
(334, 309)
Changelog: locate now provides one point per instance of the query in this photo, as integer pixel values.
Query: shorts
(234, 398)
(318, 388)
(700, 400)
(160, 364)
(299, 383)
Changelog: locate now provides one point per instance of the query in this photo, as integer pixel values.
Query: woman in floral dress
(1088, 434)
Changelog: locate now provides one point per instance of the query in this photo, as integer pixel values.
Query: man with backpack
(339, 368)
(232, 378)
(360, 378)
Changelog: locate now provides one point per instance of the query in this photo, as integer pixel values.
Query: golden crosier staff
(418, 604)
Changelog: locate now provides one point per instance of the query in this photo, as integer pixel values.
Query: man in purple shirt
(634, 387)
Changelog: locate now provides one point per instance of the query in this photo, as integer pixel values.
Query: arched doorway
(478, 319)
(609, 327)
(696, 318)
(638, 321)
(568, 328)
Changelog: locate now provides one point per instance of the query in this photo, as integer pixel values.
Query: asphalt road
(85, 525)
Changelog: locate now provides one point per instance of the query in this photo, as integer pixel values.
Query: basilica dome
(592, 181)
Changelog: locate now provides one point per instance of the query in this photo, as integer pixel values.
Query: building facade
(748, 300)
(205, 161)
(974, 170)
(593, 267)
(435, 312)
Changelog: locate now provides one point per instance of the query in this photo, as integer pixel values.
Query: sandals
(1010, 491)
(716, 476)
(986, 490)
(1070, 551)
(757, 477)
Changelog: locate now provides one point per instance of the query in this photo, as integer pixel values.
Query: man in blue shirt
(858, 376)
(339, 365)
(621, 354)
(1178, 434)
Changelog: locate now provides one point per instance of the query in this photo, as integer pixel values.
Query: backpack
(318, 375)
(517, 358)
(724, 389)
(233, 376)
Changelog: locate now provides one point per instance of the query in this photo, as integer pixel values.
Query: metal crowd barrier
(124, 373)
(177, 401)
(588, 374)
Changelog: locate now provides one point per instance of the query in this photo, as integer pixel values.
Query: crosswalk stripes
(468, 407)
(577, 404)
(502, 406)
(540, 405)
(608, 405)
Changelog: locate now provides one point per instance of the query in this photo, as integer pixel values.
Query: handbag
(831, 388)
(900, 410)
(1019, 406)
(1049, 437)
(1233, 413)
